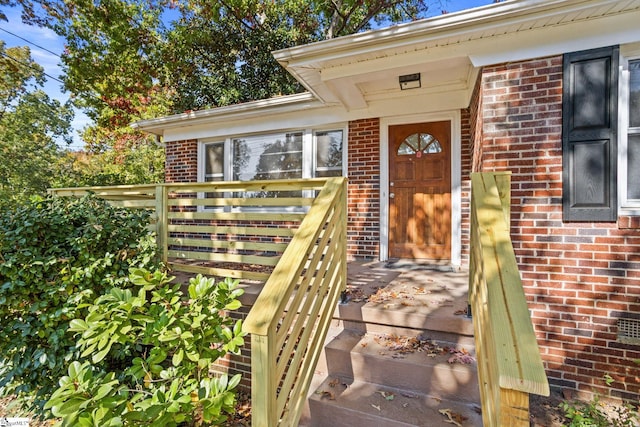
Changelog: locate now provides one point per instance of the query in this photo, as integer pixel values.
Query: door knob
(392, 195)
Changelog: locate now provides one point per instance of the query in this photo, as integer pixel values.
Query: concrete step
(343, 402)
(415, 364)
(386, 301)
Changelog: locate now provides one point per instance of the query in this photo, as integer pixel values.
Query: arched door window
(418, 144)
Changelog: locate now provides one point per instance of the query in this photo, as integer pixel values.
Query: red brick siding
(363, 211)
(181, 164)
(579, 278)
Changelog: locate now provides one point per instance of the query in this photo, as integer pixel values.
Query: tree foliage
(31, 125)
(213, 53)
(127, 60)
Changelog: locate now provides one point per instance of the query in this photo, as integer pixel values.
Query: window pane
(419, 142)
(214, 162)
(329, 153)
(634, 93)
(405, 150)
(633, 168)
(267, 157)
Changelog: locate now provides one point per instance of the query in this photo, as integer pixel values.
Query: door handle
(392, 195)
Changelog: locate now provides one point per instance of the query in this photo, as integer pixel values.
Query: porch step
(409, 378)
(416, 364)
(393, 355)
(344, 402)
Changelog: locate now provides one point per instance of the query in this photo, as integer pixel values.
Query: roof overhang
(447, 50)
(358, 74)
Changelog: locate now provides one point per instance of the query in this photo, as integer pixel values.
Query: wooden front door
(420, 191)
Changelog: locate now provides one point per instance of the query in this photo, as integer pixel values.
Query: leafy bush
(55, 255)
(595, 414)
(151, 353)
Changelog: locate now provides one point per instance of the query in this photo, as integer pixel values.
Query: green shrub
(151, 353)
(594, 414)
(55, 255)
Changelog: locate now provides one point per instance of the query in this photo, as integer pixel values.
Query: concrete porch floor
(408, 295)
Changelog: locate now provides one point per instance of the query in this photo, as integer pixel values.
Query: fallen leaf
(387, 396)
(375, 406)
(461, 356)
(452, 417)
(334, 382)
(326, 394)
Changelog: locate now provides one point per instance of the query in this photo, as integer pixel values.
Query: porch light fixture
(409, 81)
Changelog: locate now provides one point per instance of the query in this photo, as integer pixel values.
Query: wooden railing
(291, 317)
(509, 362)
(288, 234)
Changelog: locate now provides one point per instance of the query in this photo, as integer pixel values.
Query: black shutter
(589, 135)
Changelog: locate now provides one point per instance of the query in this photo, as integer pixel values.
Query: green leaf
(177, 357)
(78, 325)
(69, 407)
(99, 356)
(233, 305)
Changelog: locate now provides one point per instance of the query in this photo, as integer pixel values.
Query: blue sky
(50, 41)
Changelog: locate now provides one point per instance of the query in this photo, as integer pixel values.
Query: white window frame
(625, 206)
(309, 146)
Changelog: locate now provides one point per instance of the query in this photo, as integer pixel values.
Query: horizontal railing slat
(235, 230)
(228, 244)
(236, 216)
(219, 272)
(249, 186)
(284, 202)
(224, 257)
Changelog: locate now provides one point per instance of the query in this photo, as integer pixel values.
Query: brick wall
(181, 163)
(363, 197)
(579, 278)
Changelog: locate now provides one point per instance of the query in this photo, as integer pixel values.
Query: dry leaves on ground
(401, 345)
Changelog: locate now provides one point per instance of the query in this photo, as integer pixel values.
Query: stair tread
(403, 362)
(419, 349)
(417, 299)
(343, 402)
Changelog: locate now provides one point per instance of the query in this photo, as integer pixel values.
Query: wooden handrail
(509, 362)
(291, 317)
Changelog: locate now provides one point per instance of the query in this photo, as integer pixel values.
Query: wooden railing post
(161, 222)
(263, 378)
(509, 362)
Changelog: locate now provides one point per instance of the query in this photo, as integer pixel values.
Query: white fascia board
(563, 38)
(255, 109)
(441, 28)
(263, 123)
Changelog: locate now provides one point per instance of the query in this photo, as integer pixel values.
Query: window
(214, 162)
(419, 144)
(630, 141)
(329, 153)
(284, 155)
(263, 157)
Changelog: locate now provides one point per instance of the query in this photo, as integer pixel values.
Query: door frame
(456, 177)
